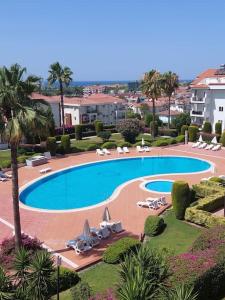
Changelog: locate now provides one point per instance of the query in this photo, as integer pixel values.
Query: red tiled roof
(210, 73)
(90, 100)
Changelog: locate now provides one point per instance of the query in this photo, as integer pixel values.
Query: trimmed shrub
(92, 147)
(78, 132)
(74, 149)
(124, 144)
(222, 140)
(140, 144)
(207, 127)
(88, 133)
(104, 135)
(51, 145)
(6, 163)
(60, 150)
(130, 129)
(98, 126)
(67, 279)
(109, 145)
(217, 179)
(180, 198)
(65, 143)
(218, 128)
(160, 143)
(154, 128)
(192, 133)
(183, 129)
(153, 225)
(82, 291)
(116, 251)
(22, 159)
(180, 139)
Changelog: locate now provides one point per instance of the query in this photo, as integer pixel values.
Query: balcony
(197, 99)
(197, 113)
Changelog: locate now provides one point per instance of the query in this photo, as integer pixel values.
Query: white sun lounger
(106, 151)
(195, 145)
(139, 149)
(209, 147)
(117, 227)
(126, 150)
(216, 148)
(99, 152)
(5, 175)
(202, 146)
(46, 170)
(3, 179)
(146, 149)
(47, 155)
(119, 150)
(102, 233)
(147, 204)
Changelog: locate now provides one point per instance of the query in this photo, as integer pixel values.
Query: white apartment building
(105, 108)
(208, 97)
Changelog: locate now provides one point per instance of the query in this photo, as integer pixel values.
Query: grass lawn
(4, 154)
(178, 236)
(99, 277)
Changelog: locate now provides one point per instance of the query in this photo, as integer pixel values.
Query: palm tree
(170, 83)
(152, 88)
(63, 76)
(19, 112)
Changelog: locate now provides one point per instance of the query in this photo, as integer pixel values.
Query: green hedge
(168, 132)
(180, 198)
(200, 211)
(183, 129)
(140, 144)
(116, 251)
(124, 144)
(180, 139)
(218, 128)
(192, 133)
(65, 143)
(67, 279)
(51, 145)
(109, 145)
(22, 159)
(92, 147)
(207, 127)
(153, 225)
(160, 143)
(78, 132)
(5, 163)
(222, 140)
(98, 126)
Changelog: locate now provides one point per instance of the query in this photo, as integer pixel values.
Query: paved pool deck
(54, 229)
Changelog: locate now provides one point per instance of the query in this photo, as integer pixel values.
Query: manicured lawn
(4, 154)
(178, 236)
(99, 277)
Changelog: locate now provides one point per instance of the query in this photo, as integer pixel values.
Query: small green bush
(65, 143)
(92, 147)
(82, 291)
(218, 128)
(51, 145)
(207, 127)
(217, 179)
(67, 279)
(192, 133)
(22, 159)
(124, 144)
(168, 132)
(154, 128)
(222, 140)
(153, 225)
(140, 144)
(6, 163)
(180, 139)
(109, 145)
(104, 135)
(180, 198)
(98, 126)
(116, 251)
(78, 132)
(183, 129)
(160, 143)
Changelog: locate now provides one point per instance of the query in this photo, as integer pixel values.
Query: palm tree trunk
(169, 114)
(15, 195)
(62, 107)
(153, 117)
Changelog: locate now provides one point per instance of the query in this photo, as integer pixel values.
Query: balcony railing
(198, 99)
(197, 113)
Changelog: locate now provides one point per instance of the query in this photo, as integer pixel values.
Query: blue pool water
(162, 186)
(90, 184)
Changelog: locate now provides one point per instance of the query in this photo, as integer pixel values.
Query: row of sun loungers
(153, 203)
(122, 150)
(206, 146)
(4, 176)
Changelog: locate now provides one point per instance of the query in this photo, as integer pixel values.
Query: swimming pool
(90, 184)
(160, 186)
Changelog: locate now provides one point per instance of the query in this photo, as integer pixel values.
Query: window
(220, 108)
(220, 121)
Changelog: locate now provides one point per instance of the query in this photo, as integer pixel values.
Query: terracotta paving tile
(54, 229)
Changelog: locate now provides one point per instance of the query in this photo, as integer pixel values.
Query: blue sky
(113, 39)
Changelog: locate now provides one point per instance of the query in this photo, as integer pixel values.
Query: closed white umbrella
(214, 140)
(142, 142)
(106, 215)
(200, 139)
(86, 230)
